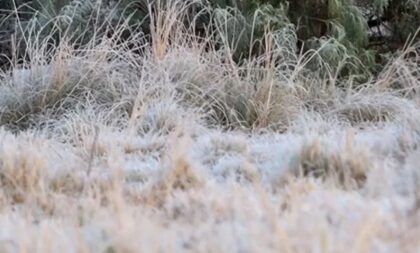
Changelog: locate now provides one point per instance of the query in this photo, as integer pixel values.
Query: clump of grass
(180, 174)
(21, 175)
(345, 168)
(25, 171)
(402, 71)
(53, 88)
(374, 108)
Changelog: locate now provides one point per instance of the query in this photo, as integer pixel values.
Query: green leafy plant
(336, 29)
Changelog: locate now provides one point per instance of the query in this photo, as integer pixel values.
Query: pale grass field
(179, 149)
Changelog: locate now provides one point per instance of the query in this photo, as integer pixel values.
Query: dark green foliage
(244, 32)
(337, 28)
(403, 17)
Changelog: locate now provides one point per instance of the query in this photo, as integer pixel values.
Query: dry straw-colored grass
(179, 149)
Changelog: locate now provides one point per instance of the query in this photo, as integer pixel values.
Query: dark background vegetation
(369, 31)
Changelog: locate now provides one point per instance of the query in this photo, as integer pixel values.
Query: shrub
(238, 25)
(403, 17)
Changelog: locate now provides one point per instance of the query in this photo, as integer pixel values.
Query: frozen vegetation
(179, 148)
